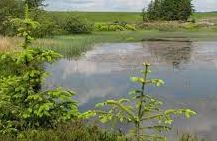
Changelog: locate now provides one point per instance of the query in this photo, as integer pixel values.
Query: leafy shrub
(75, 131)
(23, 105)
(46, 27)
(77, 25)
(7, 28)
(114, 27)
(130, 27)
(9, 9)
(101, 27)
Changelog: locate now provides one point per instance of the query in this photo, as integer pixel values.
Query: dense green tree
(77, 25)
(35, 3)
(170, 10)
(9, 9)
(154, 9)
(14, 9)
(186, 9)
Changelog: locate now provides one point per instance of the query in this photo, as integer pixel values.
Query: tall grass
(75, 45)
(8, 43)
(190, 137)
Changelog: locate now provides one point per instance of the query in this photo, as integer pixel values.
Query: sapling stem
(142, 94)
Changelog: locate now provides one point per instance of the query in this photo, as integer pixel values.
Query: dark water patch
(177, 39)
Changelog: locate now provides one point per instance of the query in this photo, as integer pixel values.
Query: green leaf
(137, 79)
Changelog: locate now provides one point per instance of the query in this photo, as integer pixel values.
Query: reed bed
(8, 43)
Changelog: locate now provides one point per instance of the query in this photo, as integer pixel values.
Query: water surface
(188, 68)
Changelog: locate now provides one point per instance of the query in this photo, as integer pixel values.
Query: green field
(201, 15)
(130, 17)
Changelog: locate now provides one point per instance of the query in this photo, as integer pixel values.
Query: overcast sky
(117, 5)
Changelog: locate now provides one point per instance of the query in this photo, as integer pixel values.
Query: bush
(47, 25)
(101, 27)
(9, 9)
(75, 131)
(114, 27)
(23, 104)
(130, 27)
(77, 25)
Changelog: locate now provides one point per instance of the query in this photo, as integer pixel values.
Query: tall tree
(170, 10)
(154, 9)
(35, 3)
(186, 9)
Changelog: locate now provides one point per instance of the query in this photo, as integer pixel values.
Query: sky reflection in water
(188, 68)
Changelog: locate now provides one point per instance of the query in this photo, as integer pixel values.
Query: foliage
(22, 103)
(143, 110)
(144, 15)
(130, 27)
(34, 3)
(47, 25)
(9, 9)
(170, 10)
(77, 25)
(72, 131)
(115, 27)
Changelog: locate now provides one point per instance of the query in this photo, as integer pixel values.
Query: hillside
(130, 17)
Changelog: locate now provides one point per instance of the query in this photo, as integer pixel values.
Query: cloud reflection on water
(189, 69)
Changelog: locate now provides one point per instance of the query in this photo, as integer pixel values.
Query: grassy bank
(71, 46)
(75, 45)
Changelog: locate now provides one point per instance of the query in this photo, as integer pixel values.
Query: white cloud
(205, 5)
(117, 5)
